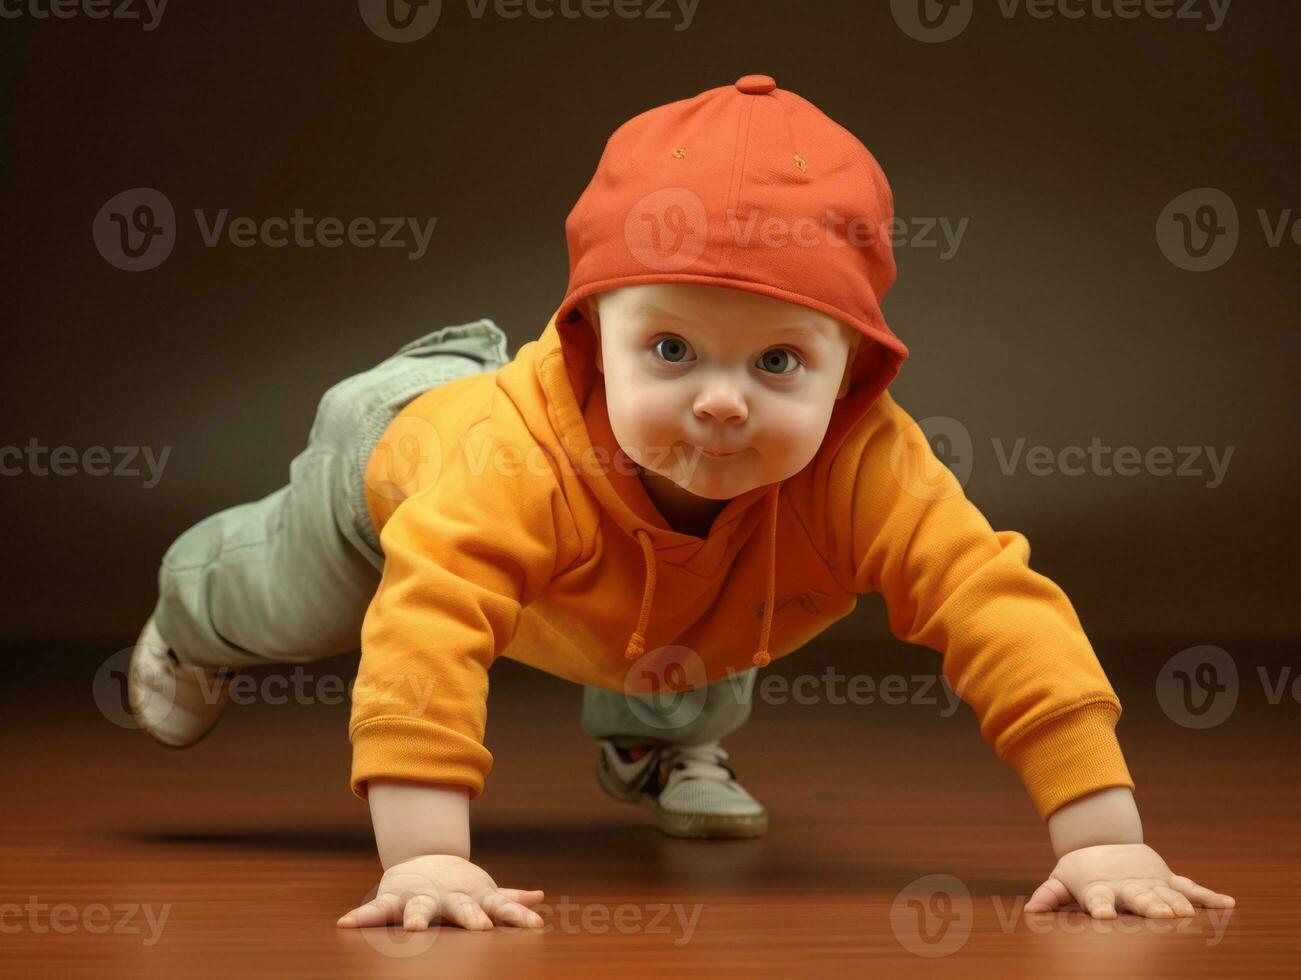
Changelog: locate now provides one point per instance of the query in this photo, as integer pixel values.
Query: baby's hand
(448, 887)
(1130, 875)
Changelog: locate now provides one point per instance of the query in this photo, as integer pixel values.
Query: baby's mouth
(717, 453)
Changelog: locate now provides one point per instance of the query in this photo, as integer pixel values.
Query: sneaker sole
(690, 825)
(710, 825)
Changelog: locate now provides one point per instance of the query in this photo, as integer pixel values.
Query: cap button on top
(756, 84)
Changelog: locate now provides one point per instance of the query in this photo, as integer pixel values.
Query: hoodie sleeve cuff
(410, 748)
(1071, 756)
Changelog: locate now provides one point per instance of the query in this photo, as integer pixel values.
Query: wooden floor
(235, 857)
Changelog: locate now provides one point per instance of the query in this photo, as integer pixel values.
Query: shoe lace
(702, 761)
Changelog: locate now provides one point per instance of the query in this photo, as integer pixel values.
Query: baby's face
(691, 368)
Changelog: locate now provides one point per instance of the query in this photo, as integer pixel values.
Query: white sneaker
(688, 787)
(176, 705)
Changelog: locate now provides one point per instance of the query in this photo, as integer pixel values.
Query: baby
(696, 468)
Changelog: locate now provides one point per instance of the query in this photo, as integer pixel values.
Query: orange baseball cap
(746, 186)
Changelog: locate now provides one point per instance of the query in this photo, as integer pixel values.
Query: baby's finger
(1099, 901)
(1201, 896)
(1141, 900)
(510, 913)
(420, 909)
(1176, 901)
(383, 909)
(528, 897)
(460, 908)
(1048, 896)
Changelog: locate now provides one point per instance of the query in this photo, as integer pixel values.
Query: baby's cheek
(782, 457)
(793, 432)
(658, 442)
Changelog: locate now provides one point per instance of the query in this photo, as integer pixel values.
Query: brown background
(1058, 319)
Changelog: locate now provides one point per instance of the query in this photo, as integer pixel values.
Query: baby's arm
(411, 819)
(1108, 816)
(463, 556)
(422, 831)
(1013, 648)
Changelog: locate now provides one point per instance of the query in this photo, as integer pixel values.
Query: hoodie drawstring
(637, 642)
(763, 658)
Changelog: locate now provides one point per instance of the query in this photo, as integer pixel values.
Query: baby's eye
(672, 349)
(773, 360)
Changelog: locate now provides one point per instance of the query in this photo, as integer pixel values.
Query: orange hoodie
(525, 532)
(514, 525)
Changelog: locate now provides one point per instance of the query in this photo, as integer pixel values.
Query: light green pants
(288, 578)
